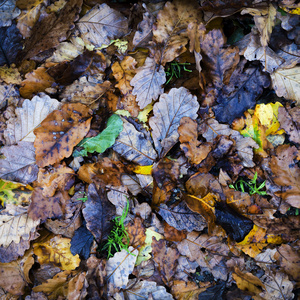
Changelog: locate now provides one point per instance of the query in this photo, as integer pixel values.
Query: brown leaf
(166, 258)
(289, 119)
(172, 234)
(42, 208)
(35, 82)
(123, 73)
(194, 150)
(51, 30)
(136, 232)
(77, 287)
(170, 30)
(286, 174)
(60, 132)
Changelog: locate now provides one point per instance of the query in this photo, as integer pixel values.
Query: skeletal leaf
(60, 132)
(134, 146)
(102, 24)
(286, 83)
(148, 82)
(168, 112)
(30, 116)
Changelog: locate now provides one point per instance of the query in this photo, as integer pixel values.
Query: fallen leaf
(194, 150)
(118, 269)
(8, 95)
(48, 32)
(56, 251)
(136, 233)
(148, 82)
(103, 140)
(10, 39)
(286, 83)
(219, 62)
(248, 282)
(10, 75)
(15, 224)
(289, 121)
(98, 210)
(14, 193)
(170, 29)
(182, 218)
(215, 291)
(286, 174)
(18, 163)
(177, 103)
(8, 12)
(14, 276)
(102, 24)
(30, 116)
(264, 19)
(60, 132)
(172, 234)
(245, 86)
(42, 208)
(134, 146)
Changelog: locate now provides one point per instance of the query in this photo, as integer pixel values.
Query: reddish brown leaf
(166, 259)
(172, 234)
(136, 232)
(60, 132)
(35, 82)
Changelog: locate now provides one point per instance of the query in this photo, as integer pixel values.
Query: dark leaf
(98, 212)
(10, 44)
(81, 242)
(245, 86)
(213, 293)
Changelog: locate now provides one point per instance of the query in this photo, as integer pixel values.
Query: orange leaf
(35, 82)
(60, 132)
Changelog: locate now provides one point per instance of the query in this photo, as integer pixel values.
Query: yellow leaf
(144, 170)
(143, 115)
(57, 251)
(291, 10)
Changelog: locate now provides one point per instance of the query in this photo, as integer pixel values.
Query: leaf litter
(120, 180)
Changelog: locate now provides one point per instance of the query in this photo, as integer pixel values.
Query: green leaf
(103, 140)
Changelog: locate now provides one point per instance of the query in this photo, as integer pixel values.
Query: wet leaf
(214, 292)
(286, 83)
(103, 140)
(170, 29)
(118, 269)
(148, 82)
(30, 116)
(18, 163)
(168, 112)
(56, 251)
(102, 24)
(60, 132)
(134, 146)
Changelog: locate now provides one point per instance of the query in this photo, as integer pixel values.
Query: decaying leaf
(57, 251)
(148, 82)
(14, 224)
(134, 146)
(286, 83)
(30, 116)
(170, 29)
(8, 12)
(118, 268)
(18, 163)
(60, 132)
(168, 112)
(102, 24)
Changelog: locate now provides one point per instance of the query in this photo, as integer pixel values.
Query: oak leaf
(102, 24)
(57, 251)
(15, 224)
(18, 163)
(286, 83)
(60, 132)
(30, 116)
(168, 112)
(170, 29)
(134, 146)
(148, 82)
